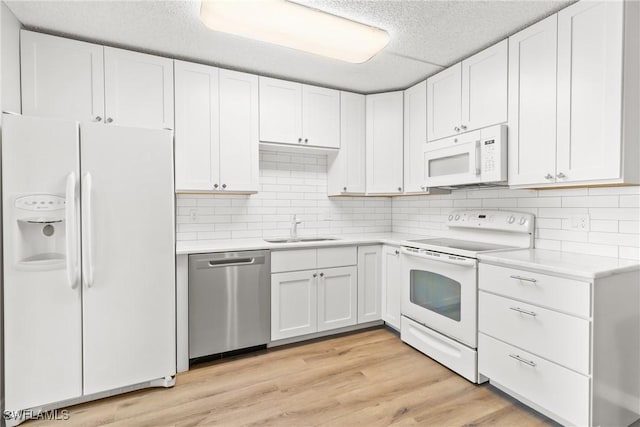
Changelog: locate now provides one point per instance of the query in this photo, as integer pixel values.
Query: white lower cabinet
(391, 278)
(320, 297)
(563, 345)
(337, 297)
(369, 283)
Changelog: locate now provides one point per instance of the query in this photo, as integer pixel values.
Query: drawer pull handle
(528, 313)
(524, 279)
(525, 361)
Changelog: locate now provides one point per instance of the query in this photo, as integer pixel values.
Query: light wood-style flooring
(368, 378)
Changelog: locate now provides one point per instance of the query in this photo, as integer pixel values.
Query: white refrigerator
(88, 260)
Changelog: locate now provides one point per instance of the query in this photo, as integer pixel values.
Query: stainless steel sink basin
(301, 239)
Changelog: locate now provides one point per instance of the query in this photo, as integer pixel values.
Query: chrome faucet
(294, 226)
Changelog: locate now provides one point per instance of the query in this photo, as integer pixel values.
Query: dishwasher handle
(231, 262)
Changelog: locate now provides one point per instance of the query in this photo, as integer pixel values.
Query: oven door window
(436, 293)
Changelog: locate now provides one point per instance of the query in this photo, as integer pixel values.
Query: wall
(289, 184)
(614, 216)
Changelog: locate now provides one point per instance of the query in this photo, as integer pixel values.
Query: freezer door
(128, 255)
(42, 297)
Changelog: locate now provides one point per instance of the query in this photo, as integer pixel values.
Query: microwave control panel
(493, 154)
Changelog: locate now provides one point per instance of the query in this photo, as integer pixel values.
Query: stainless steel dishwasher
(229, 301)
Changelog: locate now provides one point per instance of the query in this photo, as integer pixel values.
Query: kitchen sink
(301, 239)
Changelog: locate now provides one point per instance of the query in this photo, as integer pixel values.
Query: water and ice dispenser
(40, 226)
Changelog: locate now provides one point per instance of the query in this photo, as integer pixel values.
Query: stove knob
(512, 219)
(457, 217)
(450, 217)
(523, 220)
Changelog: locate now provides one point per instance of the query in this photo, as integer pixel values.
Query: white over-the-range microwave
(472, 158)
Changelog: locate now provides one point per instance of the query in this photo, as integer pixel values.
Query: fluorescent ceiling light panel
(295, 26)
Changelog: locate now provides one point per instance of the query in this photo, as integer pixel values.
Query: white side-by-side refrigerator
(88, 260)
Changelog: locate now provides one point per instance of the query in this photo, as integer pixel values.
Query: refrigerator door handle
(87, 252)
(70, 230)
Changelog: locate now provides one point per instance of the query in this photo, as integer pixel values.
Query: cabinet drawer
(558, 337)
(293, 260)
(571, 296)
(558, 390)
(337, 257)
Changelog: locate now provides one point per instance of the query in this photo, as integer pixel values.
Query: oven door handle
(464, 262)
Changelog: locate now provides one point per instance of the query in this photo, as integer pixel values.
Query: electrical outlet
(579, 222)
(193, 215)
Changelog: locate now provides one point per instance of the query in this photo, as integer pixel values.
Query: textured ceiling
(425, 35)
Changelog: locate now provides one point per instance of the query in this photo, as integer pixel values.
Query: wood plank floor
(367, 378)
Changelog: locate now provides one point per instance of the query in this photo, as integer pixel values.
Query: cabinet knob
(109, 120)
(315, 274)
(399, 188)
(463, 127)
(98, 119)
(224, 185)
(321, 274)
(456, 128)
(344, 188)
(299, 140)
(306, 140)
(561, 175)
(215, 185)
(548, 176)
(397, 252)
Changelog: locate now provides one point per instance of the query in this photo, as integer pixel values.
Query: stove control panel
(520, 222)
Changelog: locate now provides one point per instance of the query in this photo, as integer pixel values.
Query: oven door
(439, 291)
(454, 161)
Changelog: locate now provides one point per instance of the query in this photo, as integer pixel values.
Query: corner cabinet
(74, 80)
(346, 168)
(298, 114)
(469, 95)
(216, 129)
(384, 141)
(587, 95)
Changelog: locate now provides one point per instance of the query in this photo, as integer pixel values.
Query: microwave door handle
(444, 258)
(478, 163)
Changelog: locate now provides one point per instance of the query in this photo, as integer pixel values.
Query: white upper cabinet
(216, 129)
(590, 45)
(69, 79)
(321, 116)
(415, 138)
(239, 139)
(346, 169)
(532, 103)
(469, 95)
(61, 78)
(444, 103)
(197, 127)
(484, 88)
(138, 89)
(293, 113)
(280, 111)
(384, 137)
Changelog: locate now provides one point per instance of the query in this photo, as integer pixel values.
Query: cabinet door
(337, 297)
(484, 88)
(391, 286)
(197, 127)
(61, 78)
(138, 89)
(532, 103)
(280, 111)
(239, 151)
(444, 103)
(346, 170)
(320, 116)
(293, 304)
(384, 143)
(589, 91)
(415, 137)
(369, 283)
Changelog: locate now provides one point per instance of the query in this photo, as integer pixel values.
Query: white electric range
(440, 284)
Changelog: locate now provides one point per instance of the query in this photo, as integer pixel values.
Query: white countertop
(224, 245)
(564, 263)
